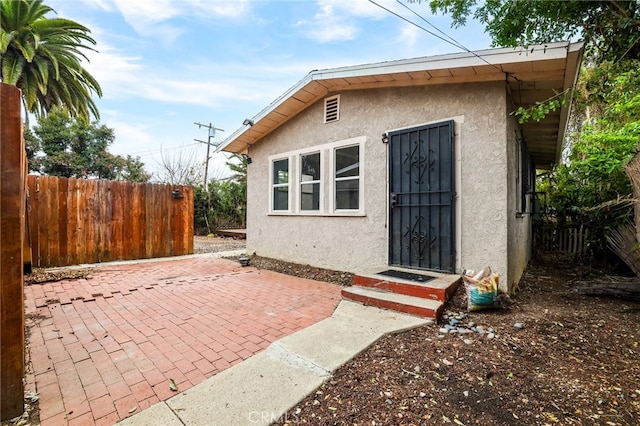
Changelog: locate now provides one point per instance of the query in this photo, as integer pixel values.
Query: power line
(413, 23)
(450, 40)
(454, 41)
(151, 152)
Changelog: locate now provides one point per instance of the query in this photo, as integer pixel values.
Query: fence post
(12, 222)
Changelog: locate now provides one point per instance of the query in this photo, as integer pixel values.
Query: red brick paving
(105, 347)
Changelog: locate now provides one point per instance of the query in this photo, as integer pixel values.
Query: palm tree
(42, 57)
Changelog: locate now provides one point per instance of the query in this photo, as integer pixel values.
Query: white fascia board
(496, 57)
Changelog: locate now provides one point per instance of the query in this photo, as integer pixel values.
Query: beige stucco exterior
(489, 230)
(519, 229)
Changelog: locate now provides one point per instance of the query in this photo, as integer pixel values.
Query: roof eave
(574, 62)
(241, 139)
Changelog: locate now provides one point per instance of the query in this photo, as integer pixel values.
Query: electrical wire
(157, 151)
(450, 40)
(413, 23)
(453, 41)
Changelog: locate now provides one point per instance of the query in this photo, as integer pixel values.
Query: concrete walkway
(264, 387)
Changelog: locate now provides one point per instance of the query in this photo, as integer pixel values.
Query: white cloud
(141, 14)
(100, 4)
(149, 17)
(124, 77)
(227, 9)
(336, 20)
(328, 26)
(125, 131)
(360, 8)
(409, 34)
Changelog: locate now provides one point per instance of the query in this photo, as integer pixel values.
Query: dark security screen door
(421, 199)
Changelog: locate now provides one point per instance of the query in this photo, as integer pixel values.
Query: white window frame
(302, 183)
(525, 180)
(272, 185)
(334, 179)
(327, 179)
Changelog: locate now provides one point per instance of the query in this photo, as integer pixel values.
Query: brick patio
(105, 347)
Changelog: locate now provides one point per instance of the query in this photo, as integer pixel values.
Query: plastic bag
(482, 290)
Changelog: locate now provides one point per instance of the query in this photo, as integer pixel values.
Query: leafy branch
(541, 109)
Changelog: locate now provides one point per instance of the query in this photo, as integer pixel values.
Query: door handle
(393, 199)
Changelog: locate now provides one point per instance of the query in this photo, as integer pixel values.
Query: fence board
(72, 221)
(104, 219)
(31, 217)
(570, 240)
(137, 219)
(90, 221)
(12, 234)
(189, 194)
(81, 220)
(42, 211)
(127, 225)
(88, 212)
(63, 213)
(116, 237)
(53, 233)
(149, 213)
(160, 214)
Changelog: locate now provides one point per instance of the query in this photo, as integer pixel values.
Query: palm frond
(42, 56)
(12, 68)
(5, 39)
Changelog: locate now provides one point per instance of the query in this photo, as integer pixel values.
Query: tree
(132, 169)
(224, 204)
(73, 147)
(605, 123)
(611, 28)
(238, 165)
(42, 56)
(587, 188)
(180, 168)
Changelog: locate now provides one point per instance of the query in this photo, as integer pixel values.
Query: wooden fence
(570, 240)
(74, 221)
(13, 165)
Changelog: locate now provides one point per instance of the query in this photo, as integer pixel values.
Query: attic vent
(332, 109)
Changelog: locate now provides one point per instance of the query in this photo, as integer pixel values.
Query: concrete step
(441, 288)
(418, 306)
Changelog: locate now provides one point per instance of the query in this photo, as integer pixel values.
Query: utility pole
(212, 134)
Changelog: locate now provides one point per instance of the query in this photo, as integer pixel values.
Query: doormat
(407, 276)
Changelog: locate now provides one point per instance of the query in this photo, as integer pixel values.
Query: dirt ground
(216, 244)
(552, 356)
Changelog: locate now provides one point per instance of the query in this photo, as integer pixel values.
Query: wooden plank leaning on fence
(12, 225)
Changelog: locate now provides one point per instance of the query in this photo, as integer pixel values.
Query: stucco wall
(519, 231)
(360, 243)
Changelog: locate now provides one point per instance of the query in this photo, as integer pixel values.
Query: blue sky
(165, 64)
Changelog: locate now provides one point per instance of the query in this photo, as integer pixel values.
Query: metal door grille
(422, 191)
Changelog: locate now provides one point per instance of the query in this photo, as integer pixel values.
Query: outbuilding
(417, 163)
